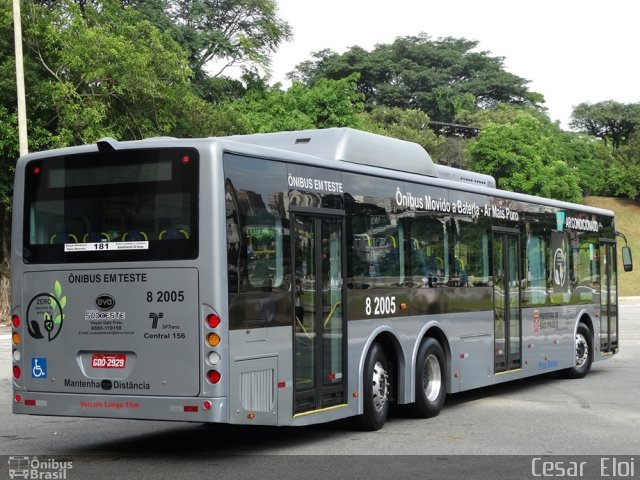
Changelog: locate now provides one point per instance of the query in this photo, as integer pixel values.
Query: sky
(571, 51)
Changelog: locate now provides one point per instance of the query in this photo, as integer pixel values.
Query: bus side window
(428, 264)
(471, 254)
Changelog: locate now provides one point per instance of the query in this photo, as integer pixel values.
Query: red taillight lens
(213, 320)
(214, 376)
(17, 372)
(15, 321)
(207, 405)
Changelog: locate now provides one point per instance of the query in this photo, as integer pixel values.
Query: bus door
(506, 300)
(608, 297)
(319, 311)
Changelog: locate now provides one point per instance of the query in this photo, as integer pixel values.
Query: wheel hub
(582, 350)
(380, 386)
(432, 378)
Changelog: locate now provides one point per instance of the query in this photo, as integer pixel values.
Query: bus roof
(357, 150)
(364, 148)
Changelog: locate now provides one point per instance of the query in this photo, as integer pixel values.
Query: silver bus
(290, 279)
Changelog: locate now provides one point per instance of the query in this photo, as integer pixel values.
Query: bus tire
(376, 390)
(430, 380)
(584, 354)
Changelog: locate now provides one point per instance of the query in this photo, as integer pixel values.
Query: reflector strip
(183, 408)
(284, 384)
(531, 345)
(35, 403)
(464, 355)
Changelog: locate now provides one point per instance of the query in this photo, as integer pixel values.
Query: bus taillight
(214, 376)
(214, 358)
(15, 321)
(213, 339)
(16, 338)
(17, 372)
(213, 320)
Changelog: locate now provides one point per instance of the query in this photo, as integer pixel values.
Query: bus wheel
(584, 354)
(376, 388)
(430, 380)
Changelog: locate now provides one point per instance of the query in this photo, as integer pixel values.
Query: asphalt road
(546, 415)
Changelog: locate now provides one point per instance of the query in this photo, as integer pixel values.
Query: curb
(629, 300)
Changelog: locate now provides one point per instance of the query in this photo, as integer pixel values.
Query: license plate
(108, 360)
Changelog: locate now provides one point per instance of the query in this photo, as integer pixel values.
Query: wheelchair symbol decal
(39, 367)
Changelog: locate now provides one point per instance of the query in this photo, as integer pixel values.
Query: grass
(627, 222)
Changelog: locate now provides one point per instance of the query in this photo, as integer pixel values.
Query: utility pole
(22, 104)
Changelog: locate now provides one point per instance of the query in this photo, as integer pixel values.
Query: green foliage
(443, 77)
(624, 171)
(410, 125)
(609, 120)
(328, 103)
(218, 34)
(8, 154)
(590, 160)
(526, 156)
(103, 72)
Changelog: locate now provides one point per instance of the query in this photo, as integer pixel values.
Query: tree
(590, 161)
(219, 34)
(102, 71)
(441, 77)
(410, 125)
(216, 34)
(609, 120)
(328, 103)
(624, 171)
(526, 156)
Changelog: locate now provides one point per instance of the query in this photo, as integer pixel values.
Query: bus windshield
(112, 206)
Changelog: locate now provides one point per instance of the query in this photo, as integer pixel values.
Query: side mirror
(627, 260)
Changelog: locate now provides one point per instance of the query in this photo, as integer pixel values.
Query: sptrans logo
(33, 468)
(559, 267)
(45, 314)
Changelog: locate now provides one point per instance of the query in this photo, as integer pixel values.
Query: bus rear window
(128, 205)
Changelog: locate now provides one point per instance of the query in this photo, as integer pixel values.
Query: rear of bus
(106, 315)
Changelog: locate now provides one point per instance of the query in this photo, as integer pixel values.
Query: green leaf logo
(62, 302)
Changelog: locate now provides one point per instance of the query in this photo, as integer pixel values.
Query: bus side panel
(261, 388)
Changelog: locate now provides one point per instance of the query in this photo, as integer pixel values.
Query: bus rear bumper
(181, 409)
